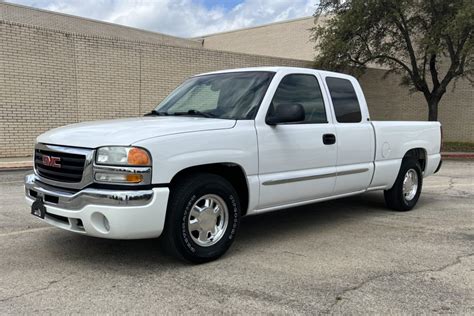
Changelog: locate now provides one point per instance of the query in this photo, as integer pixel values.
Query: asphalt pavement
(350, 256)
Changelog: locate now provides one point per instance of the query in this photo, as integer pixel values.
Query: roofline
(244, 69)
(252, 27)
(93, 20)
(273, 69)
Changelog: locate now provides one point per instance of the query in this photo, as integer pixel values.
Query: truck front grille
(59, 166)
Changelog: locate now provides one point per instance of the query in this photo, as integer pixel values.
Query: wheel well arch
(232, 172)
(419, 154)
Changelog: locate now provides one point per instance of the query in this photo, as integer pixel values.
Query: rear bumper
(433, 164)
(113, 214)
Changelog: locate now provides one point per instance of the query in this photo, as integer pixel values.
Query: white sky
(185, 18)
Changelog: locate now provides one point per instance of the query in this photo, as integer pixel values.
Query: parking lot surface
(344, 256)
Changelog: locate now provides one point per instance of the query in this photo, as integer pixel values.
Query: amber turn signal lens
(134, 178)
(138, 157)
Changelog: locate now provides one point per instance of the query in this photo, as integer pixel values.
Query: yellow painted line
(19, 232)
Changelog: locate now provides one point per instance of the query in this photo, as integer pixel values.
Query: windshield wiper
(156, 113)
(195, 112)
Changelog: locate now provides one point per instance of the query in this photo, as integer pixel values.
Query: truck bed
(392, 141)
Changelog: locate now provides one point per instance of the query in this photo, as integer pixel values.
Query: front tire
(203, 216)
(406, 190)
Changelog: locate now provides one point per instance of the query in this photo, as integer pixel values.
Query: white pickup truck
(225, 145)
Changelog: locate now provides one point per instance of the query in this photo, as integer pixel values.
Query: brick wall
(387, 100)
(78, 25)
(281, 39)
(51, 77)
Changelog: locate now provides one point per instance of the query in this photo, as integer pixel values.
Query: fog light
(100, 222)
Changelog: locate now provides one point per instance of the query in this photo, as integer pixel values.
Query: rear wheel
(203, 216)
(406, 190)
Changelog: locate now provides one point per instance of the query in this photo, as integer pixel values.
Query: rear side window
(301, 89)
(344, 99)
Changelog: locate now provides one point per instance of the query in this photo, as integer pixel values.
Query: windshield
(235, 95)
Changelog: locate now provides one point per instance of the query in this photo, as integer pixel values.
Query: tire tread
(394, 197)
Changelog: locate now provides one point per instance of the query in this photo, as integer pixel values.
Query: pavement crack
(294, 253)
(339, 297)
(44, 288)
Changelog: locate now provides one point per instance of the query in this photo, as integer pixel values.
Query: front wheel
(406, 190)
(203, 216)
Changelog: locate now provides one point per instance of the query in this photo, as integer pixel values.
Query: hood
(128, 131)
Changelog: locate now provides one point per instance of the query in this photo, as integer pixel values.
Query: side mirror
(286, 113)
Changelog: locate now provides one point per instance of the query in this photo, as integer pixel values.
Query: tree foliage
(428, 42)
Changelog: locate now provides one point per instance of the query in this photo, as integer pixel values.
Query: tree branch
(419, 83)
(372, 58)
(434, 72)
(425, 60)
(457, 66)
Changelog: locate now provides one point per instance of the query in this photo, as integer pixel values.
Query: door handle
(329, 139)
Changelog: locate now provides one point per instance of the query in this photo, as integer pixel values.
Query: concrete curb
(457, 155)
(16, 165)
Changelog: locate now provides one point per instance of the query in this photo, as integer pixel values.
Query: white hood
(128, 131)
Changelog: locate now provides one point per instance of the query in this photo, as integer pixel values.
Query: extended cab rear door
(354, 133)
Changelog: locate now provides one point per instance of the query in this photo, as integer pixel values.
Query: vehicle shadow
(254, 230)
(317, 216)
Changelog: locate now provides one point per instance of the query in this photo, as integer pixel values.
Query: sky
(184, 18)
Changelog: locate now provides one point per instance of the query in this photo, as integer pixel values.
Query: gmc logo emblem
(51, 161)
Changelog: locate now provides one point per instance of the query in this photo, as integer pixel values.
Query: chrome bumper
(71, 200)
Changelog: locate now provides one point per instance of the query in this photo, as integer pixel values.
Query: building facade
(57, 69)
(287, 39)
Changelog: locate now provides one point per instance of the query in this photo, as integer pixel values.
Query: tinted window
(304, 90)
(344, 100)
(233, 95)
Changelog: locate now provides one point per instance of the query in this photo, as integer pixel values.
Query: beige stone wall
(23, 15)
(51, 77)
(387, 100)
(284, 39)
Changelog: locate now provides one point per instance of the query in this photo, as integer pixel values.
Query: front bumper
(114, 214)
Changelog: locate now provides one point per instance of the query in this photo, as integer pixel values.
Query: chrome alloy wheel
(410, 184)
(208, 220)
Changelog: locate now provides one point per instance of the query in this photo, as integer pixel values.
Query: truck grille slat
(70, 167)
(68, 158)
(59, 174)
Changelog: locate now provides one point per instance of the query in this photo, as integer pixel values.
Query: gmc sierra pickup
(221, 146)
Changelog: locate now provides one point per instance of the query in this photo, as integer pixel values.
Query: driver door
(297, 161)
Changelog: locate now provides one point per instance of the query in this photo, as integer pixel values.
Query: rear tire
(202, 218)
(406, 190)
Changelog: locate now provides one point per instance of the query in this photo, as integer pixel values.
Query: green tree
(428, 42)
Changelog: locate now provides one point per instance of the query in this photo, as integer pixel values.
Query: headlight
(122, 165)
(123, 156)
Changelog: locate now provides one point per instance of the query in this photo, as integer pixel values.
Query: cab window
(301, 89)
(344, 100)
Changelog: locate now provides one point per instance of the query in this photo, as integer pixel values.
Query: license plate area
(38, 209)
